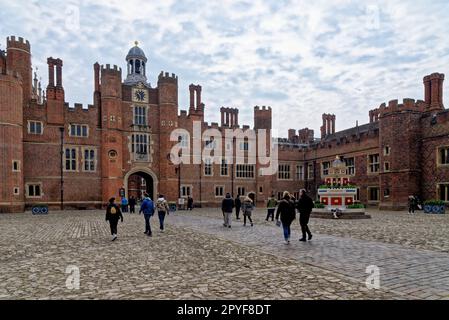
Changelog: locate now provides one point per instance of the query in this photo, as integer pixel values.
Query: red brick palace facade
(123, 141)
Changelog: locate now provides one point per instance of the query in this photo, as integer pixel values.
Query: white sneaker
(114, 237)
(287, 242)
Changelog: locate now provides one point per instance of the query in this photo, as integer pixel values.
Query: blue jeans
(287, 230)
(147, 223)
(161, 219)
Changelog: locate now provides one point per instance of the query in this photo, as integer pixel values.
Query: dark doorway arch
(140, 183)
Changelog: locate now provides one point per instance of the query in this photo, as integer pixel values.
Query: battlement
(264, 108)
(394, 106)
(167, 78)
(20, 43)
(78, 106)
(108, 68)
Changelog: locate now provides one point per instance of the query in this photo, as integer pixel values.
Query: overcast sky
(303, 58)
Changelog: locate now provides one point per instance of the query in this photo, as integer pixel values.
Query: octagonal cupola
(136, 65)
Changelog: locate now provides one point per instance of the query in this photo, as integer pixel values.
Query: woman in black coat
(113, 215)
(286, 211)
(305, 206)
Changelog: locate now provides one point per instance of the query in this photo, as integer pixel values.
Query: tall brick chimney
(433, 91)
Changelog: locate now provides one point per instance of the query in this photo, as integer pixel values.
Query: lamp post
(62, 167)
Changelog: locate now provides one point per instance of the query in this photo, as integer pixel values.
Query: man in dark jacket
(147, 208)
(113, 215)
(305, 206)
(227, 207)
(238, 205)
(286, 211)
(132, 204)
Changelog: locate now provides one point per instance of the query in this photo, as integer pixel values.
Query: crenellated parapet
(114, 69)
(78, 107)
(18, 43)
(394, 107)
(166, 77)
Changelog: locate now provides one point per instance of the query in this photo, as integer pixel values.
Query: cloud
(303, 58)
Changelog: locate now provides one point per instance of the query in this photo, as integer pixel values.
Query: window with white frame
(386, 166)
(208, 167)
(16, 191)
(386, 150)
(186, 191)
(139, 146)
(70, 159)
(16, 166)
(284, 172)
(35, 127)
(325, 168)
(34, 190)
(140, 116)
(224, 168)
(373, 163)
(310, 173)
(350, 166)
(219, 191)
(443, 155)
(245, 171)
(300, 173)
(89, 160)
(79, 130)
(241, 191)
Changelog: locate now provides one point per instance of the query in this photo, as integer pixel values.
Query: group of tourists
(283, 211)
(131, 204)
(285, 214)
(147, 208)
(228, 205)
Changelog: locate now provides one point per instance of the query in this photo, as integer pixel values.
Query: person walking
(411, 204)
(132, 204)
(227, 207)
(305, 206)
(113, 215)
(271, 207)
(238, 206)
(147, 208)
(190, 203)
(247, 208)
(124, 204)
(286, 212)
(162, 210)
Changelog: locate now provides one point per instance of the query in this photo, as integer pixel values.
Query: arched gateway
(141, 180)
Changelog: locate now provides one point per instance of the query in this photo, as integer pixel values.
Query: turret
(111, 120)
(262, 118)
(19, 59)
(168, 106)
(11, 142)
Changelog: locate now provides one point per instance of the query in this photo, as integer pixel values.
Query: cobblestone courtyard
(196, 258)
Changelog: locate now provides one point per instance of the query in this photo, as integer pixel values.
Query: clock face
(139, 95)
